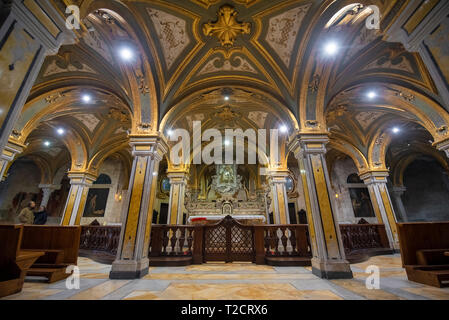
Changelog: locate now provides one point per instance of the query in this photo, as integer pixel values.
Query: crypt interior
(90, 116)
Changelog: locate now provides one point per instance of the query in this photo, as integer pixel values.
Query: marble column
(329, 260)
(76, 201)
(132, 254)
(32, 30)
(380, 198)
(47, 190)
(10, 152)
(278, 181)
(178, 183)
(397, 193)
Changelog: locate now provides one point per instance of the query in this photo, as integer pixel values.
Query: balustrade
(270, 241)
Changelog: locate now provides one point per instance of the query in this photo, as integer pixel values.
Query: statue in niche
(226, 182)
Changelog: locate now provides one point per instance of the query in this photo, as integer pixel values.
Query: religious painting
(226, 181)
(361, 202)
(165, 185)
(96, 203)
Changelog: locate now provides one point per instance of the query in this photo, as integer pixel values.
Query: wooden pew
(13, 262)
(61, 246)
(423, 252)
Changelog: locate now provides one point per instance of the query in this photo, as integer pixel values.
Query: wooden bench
(423, 251)
(60, 246)
(14, 263)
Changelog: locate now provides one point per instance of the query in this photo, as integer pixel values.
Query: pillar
(178, 183)
(9, 153)
(377, 187)
(47, 190)
(329, 260)
(397, 193)
(31, 30)
(132, 254)
(277, 181)
(443, 146)
(76, 201)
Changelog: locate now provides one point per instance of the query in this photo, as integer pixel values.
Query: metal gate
(229, 241)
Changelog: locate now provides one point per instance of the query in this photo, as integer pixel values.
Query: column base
(129, 269)
(339, 269)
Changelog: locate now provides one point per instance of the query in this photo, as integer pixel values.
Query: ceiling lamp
(87, 98)
(331, 48)
(371, 95)
(284, 129)
(126, 54)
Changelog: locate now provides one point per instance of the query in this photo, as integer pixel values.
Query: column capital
(44, 22)
(52, 187)
(277, 176)
(178, 177)
(398, 190)
(308, 143)
(149, 146)
(443, 146)
(373, 177)
(11, 150)
(85, 179)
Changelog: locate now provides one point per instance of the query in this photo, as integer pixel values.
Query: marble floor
(234, 282)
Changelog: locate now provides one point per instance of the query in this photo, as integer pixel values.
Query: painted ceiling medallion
(226, 28)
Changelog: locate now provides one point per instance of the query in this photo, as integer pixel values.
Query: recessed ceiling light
(126, 54)
(87, 98)
(331, 48)
(226, 98)
(47, 143)
(396, 130)
(60, 131)
(371, 95)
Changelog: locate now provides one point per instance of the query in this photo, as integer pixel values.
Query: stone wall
(23, 176)
(112, 168)
(345, 212)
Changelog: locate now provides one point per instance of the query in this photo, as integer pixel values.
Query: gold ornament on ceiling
(227, 115)
(226, 28)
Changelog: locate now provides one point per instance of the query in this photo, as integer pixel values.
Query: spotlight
(371, 95)
(331, 48)
(126, 54)
(284, 129)
(60, 131)
(47, 143)
(396, 130)
(154, 173)
(87, 98)
(170, 132)
(227, 143)
(226, 98)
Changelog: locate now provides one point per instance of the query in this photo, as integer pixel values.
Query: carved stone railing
(171, 241)
(281, 241)
(364, 237)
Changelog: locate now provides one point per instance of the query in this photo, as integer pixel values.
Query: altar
(226, 184)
